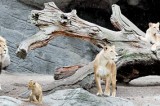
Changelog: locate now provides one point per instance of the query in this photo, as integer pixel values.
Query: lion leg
(98, 83)
(113, 79)
(40, 98)
(107, 88)
(30, 97)
(34, 99)
(114, 85)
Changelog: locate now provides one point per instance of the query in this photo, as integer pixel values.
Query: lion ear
(150, 24)
(158, 23)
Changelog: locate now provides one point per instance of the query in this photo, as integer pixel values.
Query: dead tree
(135, 57)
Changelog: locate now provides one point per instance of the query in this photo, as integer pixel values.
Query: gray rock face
(80, 97)
(70, 97)
(9, 101)
(151, 80)
(62, 51)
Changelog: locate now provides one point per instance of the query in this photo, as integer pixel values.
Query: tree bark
(135, 57)
(66, 71)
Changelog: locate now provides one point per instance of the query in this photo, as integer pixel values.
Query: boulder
(70, 97)
(151, 80)
(80, 97)
(9, 101)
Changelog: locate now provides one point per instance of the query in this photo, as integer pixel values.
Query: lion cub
(152, 35)
(36, 94)
(105, 68)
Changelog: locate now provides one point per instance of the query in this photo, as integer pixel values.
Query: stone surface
(15, 27)
(80, 97)
(9, 101)
(150, 80)
(70, 97)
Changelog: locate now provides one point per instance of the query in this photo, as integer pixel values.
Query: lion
(4, 55)
(105, 69)
(36, 92)
(152, 35)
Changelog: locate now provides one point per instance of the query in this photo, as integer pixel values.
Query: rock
(146, 81)
(9, 101)
(80, 97)
(15, 27)
(36, 3)
(70, 97)
(62, 4)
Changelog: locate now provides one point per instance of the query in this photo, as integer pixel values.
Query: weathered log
(53, 22)
(66, 71)
(79, 75)
(134, 54)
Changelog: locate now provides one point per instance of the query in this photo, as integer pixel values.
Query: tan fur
(105, 68)
(152, 35)
(36, 94)
(4, 55)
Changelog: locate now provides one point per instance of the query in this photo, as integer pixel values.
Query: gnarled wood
(79, 75)
(66, 71)
(53, 22)
(122, 23)
(134, 54)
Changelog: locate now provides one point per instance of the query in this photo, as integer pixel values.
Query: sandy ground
(15, 84)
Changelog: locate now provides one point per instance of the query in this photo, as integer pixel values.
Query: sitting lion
(4, 55)
(152, 35)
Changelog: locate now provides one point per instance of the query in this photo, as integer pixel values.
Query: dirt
(15, 84)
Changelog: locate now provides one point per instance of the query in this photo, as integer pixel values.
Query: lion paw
(107, 94)
(99, 93)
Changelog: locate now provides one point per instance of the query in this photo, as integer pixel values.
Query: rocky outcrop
(9, 101)
(70, 97)
(15, 27)
(80, 97)
(151, 80)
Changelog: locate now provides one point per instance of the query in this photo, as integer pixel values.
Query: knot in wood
(64, 19)
(94, 30)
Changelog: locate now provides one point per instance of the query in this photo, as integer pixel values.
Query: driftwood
(135, 57)
(66, 71)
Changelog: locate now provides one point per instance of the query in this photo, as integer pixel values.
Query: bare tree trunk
(135, 56)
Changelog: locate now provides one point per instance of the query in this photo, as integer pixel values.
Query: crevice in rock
(133, 70)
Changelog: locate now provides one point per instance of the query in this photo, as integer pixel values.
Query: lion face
(31, 85)
(110, 53)
(154, 28)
